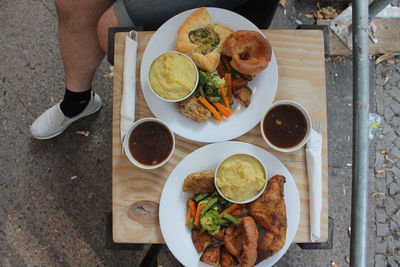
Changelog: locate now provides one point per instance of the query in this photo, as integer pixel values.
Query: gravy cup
(129, 153)
(308, 122)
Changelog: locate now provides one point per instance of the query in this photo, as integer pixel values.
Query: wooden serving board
(136, 192)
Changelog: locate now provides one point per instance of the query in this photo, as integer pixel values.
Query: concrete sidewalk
(54, 194)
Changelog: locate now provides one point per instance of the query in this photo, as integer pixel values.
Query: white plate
(263, 86)
(173, 200)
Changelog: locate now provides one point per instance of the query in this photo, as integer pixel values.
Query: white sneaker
(53, 121)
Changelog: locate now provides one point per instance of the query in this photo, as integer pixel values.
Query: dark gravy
(285, 126)
(150, 143)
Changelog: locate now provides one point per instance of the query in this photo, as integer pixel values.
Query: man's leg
(81, 54)
(79, 44)
(107, 20)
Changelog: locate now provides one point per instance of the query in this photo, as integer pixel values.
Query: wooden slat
(387, 33)
(136, 192)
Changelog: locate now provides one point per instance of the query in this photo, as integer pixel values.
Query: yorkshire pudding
(250, 51)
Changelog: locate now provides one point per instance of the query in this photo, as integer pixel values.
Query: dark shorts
(122, 13)
(150, 14)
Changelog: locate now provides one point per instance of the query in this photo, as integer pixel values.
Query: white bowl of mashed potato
(241, 178)
(173, 76)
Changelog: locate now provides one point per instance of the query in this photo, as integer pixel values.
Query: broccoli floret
(207, 223)
(214, 80)
(210, 80)
(212, 222)
(218, 207)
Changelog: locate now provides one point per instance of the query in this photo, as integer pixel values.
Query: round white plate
(243, 119)
(173, 201)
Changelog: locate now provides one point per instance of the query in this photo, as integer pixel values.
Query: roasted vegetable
(223, 109)
(247, 77)
(228, 83)
(218, 207)
(243, 95)
(210, 108)
(235, 74)
(213, 80)
(226, 259)
(221, 70)
(202, 78)
(209, 84)
(220, 235)
(200, 197)
(214, 98)
(191, 211)
(224, 97)
(225, 62)
(201, 240)
(212, 254)
(231, 218)
(208, 204)
(191, 224)
(215, 194)
(231, 207)
(200, 207)
(208, 222)
(237, 84)
(236, 212)
(211, 222)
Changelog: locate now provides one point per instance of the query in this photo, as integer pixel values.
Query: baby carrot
(228, 83)
(210, 108)
(236, 212)
(224, 110)
(230, 209)
(224, 98)
(200, 207)
(191, 213)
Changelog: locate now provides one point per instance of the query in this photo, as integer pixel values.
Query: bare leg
(107, 20)
(81, 54)
(79, 44)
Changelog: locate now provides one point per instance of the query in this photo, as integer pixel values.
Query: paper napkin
(314, 170)
(129, 86)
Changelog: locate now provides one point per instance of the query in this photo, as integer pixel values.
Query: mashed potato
(172, 76)
(240, 177)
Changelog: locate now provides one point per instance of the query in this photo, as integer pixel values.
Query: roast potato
(201, 240)
(211, 254)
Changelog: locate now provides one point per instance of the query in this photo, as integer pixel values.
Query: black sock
(74, 103)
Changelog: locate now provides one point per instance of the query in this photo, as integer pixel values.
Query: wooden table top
(136, 192)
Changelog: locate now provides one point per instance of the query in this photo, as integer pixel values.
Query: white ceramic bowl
(247, 200)
(308, 120)
(129, 154)
(195, 85)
